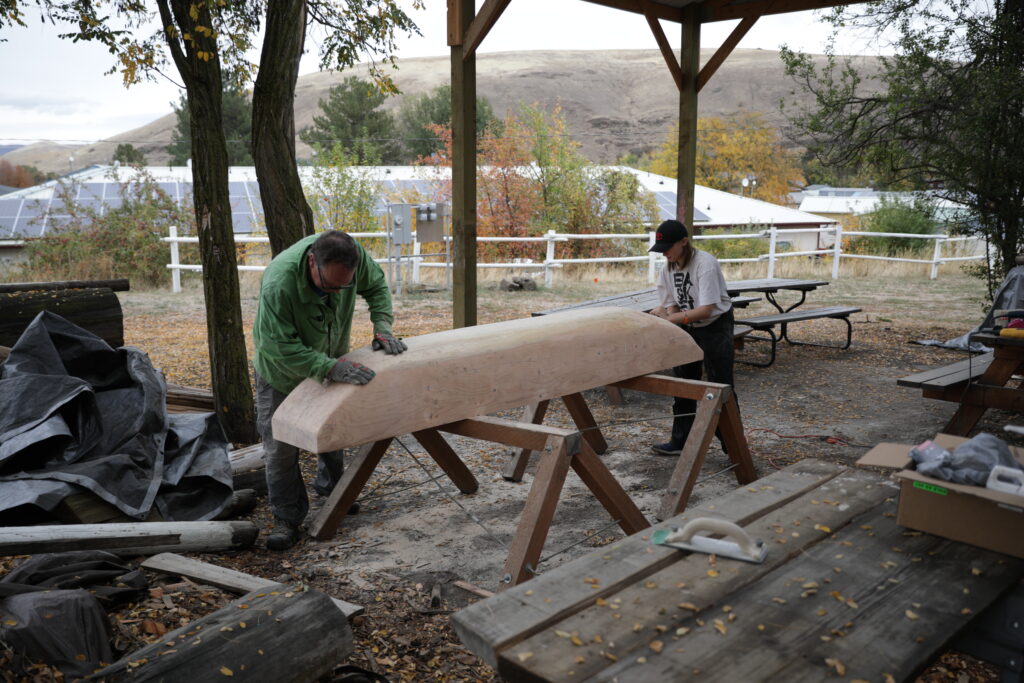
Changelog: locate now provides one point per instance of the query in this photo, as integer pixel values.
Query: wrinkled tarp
(77, 414)
(52, 611)
(1009, 296)
(970, 463)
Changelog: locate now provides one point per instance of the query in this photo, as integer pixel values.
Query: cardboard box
(970, 514)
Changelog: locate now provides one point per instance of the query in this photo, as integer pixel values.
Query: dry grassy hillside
(615, 101)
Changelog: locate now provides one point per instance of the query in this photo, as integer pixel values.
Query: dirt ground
(416, 530)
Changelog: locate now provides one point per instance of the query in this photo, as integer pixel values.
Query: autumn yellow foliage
(732, 148)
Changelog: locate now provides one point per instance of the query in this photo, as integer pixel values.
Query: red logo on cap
(658, 237)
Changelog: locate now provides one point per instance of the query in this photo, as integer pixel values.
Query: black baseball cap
(669, 232)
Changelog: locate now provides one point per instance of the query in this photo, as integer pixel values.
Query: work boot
(283, 536)
(667, 448)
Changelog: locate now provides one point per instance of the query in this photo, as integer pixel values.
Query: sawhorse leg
(581, 416)
(358, 472)
(716, 406)
(435, 445)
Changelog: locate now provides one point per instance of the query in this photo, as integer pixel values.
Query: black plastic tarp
(1009, 296)
(77, 414)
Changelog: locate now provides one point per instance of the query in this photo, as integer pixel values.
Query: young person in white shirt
(692, 294)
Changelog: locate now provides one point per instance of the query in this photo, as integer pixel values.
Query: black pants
(715, 340)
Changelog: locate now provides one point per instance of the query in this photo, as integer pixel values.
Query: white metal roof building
(34, 211)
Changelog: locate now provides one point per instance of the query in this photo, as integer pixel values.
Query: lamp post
(749, 180)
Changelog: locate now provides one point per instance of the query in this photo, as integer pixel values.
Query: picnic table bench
(952, 376)
(767, 323)
(843, 591)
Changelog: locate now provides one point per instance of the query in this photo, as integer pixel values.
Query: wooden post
(463, 171)
(687, 166)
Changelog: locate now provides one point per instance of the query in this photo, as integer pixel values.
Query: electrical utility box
(400, 216)
(430, 221)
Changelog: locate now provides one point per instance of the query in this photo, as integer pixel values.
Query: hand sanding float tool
(472, 371)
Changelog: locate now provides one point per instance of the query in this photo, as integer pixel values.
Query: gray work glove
(391, 344)
(349, 372)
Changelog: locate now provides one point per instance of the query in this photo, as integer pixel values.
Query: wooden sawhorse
(716, 409)
(562, 449)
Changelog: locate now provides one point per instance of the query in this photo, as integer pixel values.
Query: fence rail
(550, 264)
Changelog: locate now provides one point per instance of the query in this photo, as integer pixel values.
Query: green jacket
(296, 334)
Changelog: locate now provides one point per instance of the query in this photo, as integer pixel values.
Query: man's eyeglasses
(329, 287)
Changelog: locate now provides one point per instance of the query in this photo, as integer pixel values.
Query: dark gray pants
(285, 488)
(715, 340)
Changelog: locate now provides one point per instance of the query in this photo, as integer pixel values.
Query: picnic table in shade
(843, 592)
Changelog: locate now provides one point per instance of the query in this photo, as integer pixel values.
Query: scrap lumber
(276, 633)
(116, 285)
(222, 577)
(457, 374)
(182, 399)
(140, 538)
(96, 310)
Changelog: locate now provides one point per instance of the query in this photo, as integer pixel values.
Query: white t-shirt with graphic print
(699, 284)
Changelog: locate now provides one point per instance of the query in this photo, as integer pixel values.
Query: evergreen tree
(416, 113)
(236, 115)
(127, 154)
(352, 117)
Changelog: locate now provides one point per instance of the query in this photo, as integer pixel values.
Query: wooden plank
(686, 166)
(508, 432)
(686, 591)
(464, 220)
(580, 413)
(735, 441)
(345, 492)
(608, 491)
(455, 374)
(516, 466)
(664, 46)
(539, 509)
(666, 385)
(691, 459)
(222, 577)
(285, 634)
(481, 25)
(948, 375)
(493, 625)
(449, 461)
(724, 50)
(884, 603)
(140, 538)
(116, 285)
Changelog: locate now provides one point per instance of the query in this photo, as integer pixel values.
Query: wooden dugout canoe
(458, 374)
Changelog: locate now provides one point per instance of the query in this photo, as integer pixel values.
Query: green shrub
(739, 248)
(121, 242)
(916, 216)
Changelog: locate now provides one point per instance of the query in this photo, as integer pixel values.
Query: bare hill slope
(614, 101)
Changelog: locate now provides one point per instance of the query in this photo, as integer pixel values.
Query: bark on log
(462, 373)
(118, 285)
(277, 633)
(181, 399)
(248, 469)
(96, 310)
(141, 538)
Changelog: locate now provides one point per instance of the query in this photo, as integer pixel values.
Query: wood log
(95, 310)
(248, 469)
(222, 577)
(118, 285)
(276, 633)
(457, 374)
(141, 538)
(181, 399)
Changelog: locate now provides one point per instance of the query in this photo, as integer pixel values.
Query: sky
(54, 89)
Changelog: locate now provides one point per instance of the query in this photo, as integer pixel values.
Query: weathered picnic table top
(843, 591)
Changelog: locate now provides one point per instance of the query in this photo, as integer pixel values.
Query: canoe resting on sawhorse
(449, 378)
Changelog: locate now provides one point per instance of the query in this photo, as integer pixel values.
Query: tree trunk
(200, 70)
(288, 216)
(94, 310)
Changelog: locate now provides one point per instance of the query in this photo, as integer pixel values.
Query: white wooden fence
(415, 261)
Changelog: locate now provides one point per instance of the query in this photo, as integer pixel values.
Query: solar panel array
(27, 217)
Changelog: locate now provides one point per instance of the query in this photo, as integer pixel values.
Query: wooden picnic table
(844, 591)
(647, 299)
(989, 389)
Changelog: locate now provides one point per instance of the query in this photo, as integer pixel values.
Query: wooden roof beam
(739, 9)
(726, 48)
(666, 49)
(643, 7)
(482, 23)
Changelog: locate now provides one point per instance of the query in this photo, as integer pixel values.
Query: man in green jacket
(303, 324)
